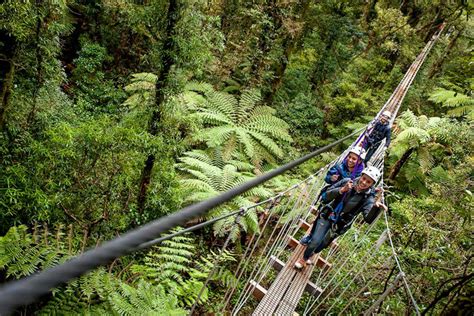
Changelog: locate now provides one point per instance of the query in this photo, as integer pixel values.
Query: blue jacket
(378, 133)
(343, 171)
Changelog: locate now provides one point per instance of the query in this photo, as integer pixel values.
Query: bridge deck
(284, 294)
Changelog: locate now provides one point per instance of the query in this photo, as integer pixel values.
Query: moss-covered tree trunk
(161, 83)
(399, 164)
(289, 44)
(7, 74)
(39, 61)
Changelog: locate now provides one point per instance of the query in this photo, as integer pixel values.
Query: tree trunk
(399, 164)
(289, 44)
(161, 83)
(264, 43)
(7, 74)
(39, 63)
(229, 9)
(437, 65)
(412, 11)
(434, 23)
(369, 13)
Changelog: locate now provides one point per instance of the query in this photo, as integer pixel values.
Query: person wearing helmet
(351, 167)
(380, 131)
(344, 201)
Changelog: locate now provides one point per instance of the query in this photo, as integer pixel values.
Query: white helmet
(359, 151)
(372, 172)
(387, 114)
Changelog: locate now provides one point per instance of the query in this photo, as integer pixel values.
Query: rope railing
(403, 275)
(277, 246)
(241, 268)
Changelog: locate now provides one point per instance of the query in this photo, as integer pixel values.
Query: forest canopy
(115, 113)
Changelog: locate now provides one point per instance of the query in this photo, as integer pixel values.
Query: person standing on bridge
(351, 167)
(380, 131)
(345, 200)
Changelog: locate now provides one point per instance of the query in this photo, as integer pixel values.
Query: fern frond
(450, 98)
(228, 125)
(268, 143)
(248, 101)
(203, 87)
(216, 136)
(223, 102)
(214, 117)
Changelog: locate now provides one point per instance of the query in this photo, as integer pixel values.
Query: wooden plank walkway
(284, 294)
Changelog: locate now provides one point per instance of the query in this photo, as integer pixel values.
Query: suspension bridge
(272, 285)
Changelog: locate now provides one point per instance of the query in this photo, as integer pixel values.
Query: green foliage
(393, 33)
(141, 90)
(73, 142)
(22, 254)
(173, 265)
(459, 104)
(168, 265)
(305, 118)
(92, 90)
(208, 175)
(430, 139)
(145, 299)
(243, 125)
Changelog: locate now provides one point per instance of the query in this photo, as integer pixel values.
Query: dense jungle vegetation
(114, 113)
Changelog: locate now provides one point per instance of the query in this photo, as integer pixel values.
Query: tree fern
(423, 138)
(207, 174)
(20, 255)
(459, 104)
(98, 292)
(238, 126)
(146, 299)
(141, 89)
(174, 266)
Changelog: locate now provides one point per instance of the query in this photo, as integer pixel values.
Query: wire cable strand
(415, 305)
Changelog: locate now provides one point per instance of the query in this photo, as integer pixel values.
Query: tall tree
(7, 72)
(169, 47)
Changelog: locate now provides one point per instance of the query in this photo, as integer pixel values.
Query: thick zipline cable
(27, 290)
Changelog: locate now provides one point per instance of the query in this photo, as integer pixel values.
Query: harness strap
(334, 216)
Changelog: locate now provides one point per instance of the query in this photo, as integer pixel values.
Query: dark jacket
(343, 171)
(354, 203)
(378, 133)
